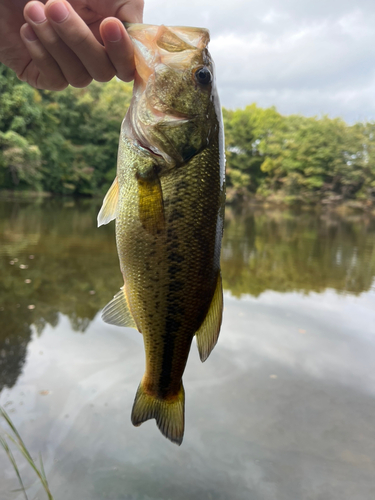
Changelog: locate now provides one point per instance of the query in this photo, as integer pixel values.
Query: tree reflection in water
(53, 260)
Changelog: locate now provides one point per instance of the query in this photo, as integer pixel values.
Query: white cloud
(309, 57)
(337, 344)
(272, 17)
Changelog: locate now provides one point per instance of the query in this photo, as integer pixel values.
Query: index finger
(119, 47)
(75, 33)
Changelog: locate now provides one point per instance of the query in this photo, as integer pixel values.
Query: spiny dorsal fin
(209, 330)
(117, 311)
(108, 211)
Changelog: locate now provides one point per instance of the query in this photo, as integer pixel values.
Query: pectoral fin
(208, 332)
(108, 211)
(151, 206)
(117, 311)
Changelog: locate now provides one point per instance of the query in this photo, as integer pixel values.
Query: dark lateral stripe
(172, 326)
(174, 312)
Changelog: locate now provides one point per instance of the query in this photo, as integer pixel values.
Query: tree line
(66, 143)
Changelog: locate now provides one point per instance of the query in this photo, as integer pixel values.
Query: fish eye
(203, 76)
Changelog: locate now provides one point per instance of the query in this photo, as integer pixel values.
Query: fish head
(175, 109)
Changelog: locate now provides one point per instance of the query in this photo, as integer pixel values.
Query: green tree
(66, 143)
(245, 131)
(20, 162)
(80, 155)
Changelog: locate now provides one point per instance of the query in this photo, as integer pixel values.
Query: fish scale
(168, 201)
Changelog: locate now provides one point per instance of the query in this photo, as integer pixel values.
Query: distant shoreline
(280, 200)
(271, 202)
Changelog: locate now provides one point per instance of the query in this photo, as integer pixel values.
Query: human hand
(61, 42)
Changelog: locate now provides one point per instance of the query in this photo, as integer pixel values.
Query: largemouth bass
(168, 202)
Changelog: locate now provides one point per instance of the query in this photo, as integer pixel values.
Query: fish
(168, 202)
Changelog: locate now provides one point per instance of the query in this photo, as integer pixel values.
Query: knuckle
(127, 76)
(52, 40)
(21, 77)
(33, 82)
(59, 85)
(105, 76)
(50, 83)
(80, 81)
(42, 59)
(78, 38)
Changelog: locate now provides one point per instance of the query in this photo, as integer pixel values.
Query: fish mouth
(148, 120)
(170, 38)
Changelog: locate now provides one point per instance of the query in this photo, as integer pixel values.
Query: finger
(119, 48)
(95, 30)
(49, 76)
(77, 35)
(72, 68)
(132, 12)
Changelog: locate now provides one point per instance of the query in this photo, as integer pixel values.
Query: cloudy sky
(310, 57)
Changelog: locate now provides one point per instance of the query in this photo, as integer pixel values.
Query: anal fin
(117, 311)
(209, 330)
(108, 211)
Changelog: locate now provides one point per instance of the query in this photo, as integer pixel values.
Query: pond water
(283, 409)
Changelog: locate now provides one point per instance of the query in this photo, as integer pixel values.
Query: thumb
(131, 11)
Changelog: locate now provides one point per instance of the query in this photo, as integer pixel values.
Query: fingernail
(29, 33)
(36, 13)
(58, 12)
(112, 32)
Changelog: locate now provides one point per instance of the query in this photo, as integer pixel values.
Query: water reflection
(285, 251)
(54, 260)
(288, 392)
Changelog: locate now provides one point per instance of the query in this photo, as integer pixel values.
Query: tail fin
(169, 415)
